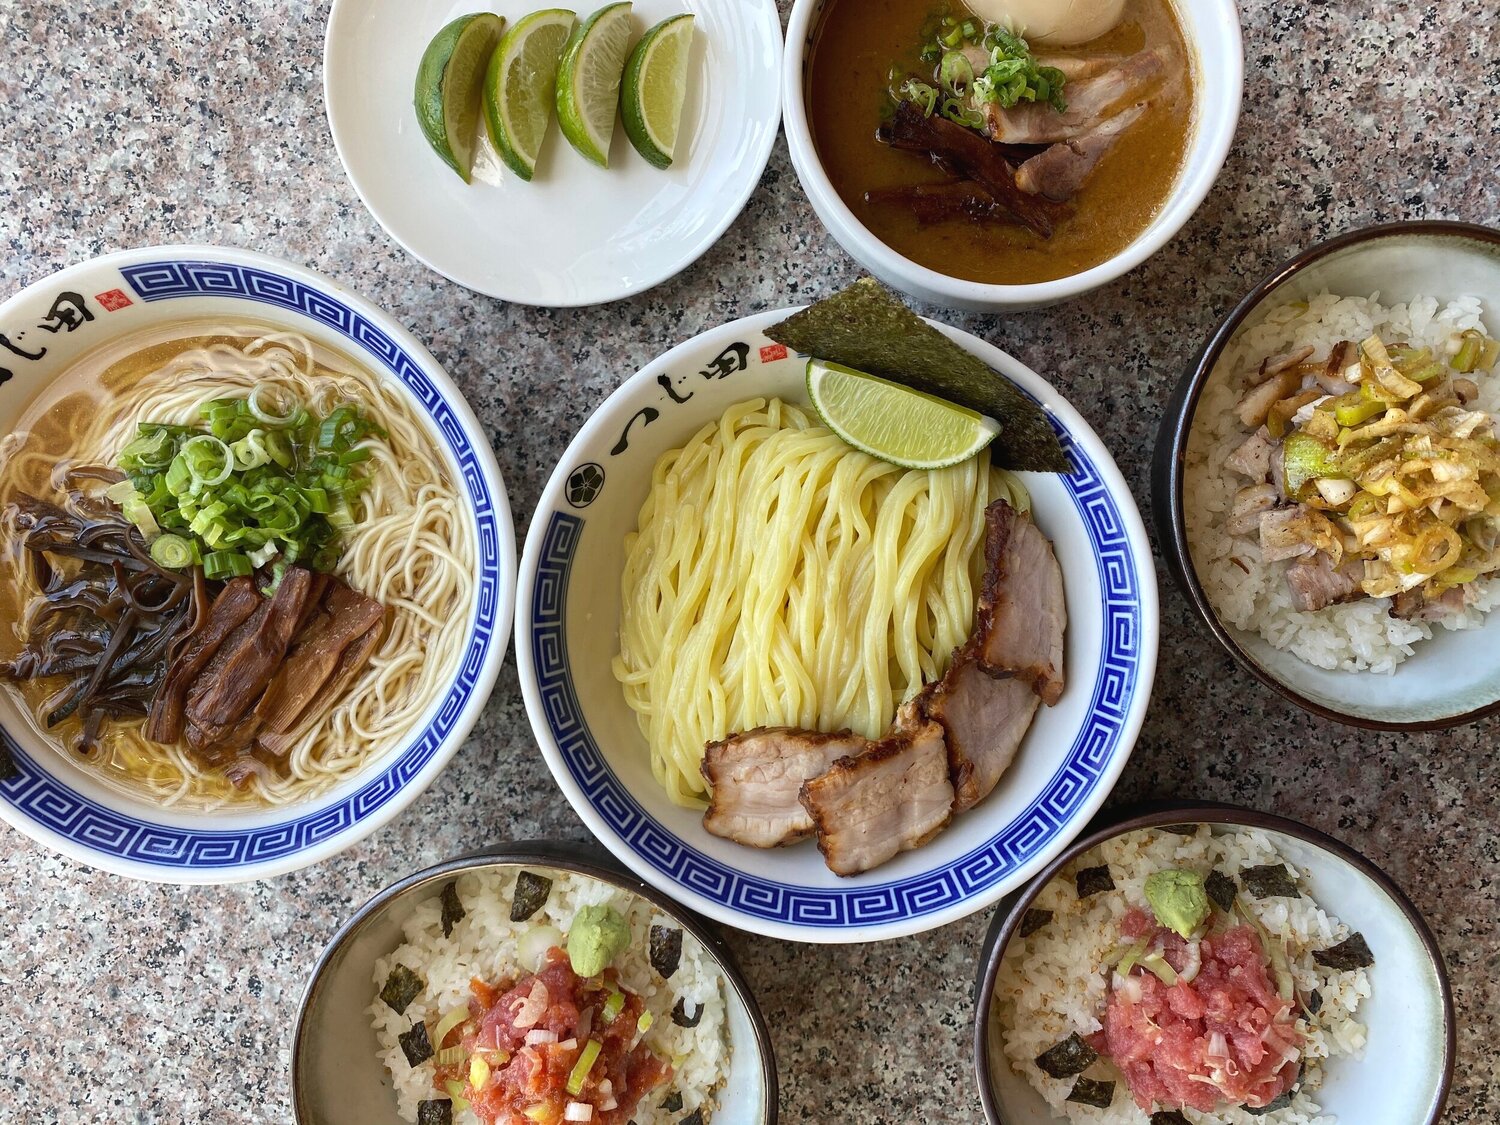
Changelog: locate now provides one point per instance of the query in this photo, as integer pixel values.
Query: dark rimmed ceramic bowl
(337, 1075)
(1409, 1013)
(1452, 679)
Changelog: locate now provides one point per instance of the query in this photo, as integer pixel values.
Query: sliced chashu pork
(1022, 612)
(756, 781)
(1030, 123)
(894, 797)
(1059, 172)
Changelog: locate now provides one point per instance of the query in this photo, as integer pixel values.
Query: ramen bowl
(1211, 32)
(75, 809)
(1406, 1066)
(569, 599)
(337, 1076)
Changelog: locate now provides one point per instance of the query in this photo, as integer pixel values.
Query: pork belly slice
(755, 778)
(1058, 173)
(984, 718)
(1022, 612)
(1317, 584)
(894, 797)
(1030, 123)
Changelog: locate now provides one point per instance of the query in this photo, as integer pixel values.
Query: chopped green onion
(448, 1023)
(262, 555)
(581, 1068)
(226, 564)
(449, 1056)
(1156, 964)
(956, 73)
(643, 1024)
(456, 1091)
(172, 551)
(208, 460)
(614, 1005)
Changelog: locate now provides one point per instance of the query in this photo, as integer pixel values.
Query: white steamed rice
(1052, 984)
(1252, 595)
(483, 944)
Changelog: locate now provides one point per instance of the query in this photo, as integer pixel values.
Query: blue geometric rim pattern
(69, 814)
(1068, 790)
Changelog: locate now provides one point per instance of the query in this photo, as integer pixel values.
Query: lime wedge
(895, 423)
(588, 81)
(448, 84)
(519, 89)
(654, 88)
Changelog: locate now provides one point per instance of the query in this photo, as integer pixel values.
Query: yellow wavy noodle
(412, 548)
(778, 576)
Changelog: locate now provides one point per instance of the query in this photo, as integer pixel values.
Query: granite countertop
(202, 121)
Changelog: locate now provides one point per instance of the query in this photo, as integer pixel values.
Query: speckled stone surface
(202, 120)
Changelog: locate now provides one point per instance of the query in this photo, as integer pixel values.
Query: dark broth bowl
(337, 1076)
(1454, 678)
(1409, 1013)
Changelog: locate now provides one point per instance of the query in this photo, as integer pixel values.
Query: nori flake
(1090, 1091)
(1169, 1117)
(666, 949)
(435, 1111)
(866, 327)
(1221, 890)
(1351, 953)
(453, 909)
(694, 1118)
(415, 1044)
(1092, 880)
(1181, 829)
(531, 895)
(1033, 920)
(1270, 880)
(1272, 1106)
(672, 1102)
(1071, 1056)
(680, 1016)
(401, 988)
(1314, 1003)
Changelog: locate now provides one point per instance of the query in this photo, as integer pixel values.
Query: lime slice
(519, 89)
(654, 88)
(448, 85)
(895, 423)
(588, 81)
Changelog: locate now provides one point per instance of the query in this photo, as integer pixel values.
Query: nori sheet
(666, 949)
(402, 986)
(1092, 880)
(1090, 1091)
(1033, 920)
(1071, 1056)
(672, 1102)
(1314, 1003)
(435, 1111)
(531, 895)
(8, 767)
(1270, 880)
(453, 908)
(680, 1016)
(1181, 829)
(866, 327)
(1273, 1105)
(694, 1118)
(1351, 953)
(1221, 890)
(1169, 1117)
(415, 1044)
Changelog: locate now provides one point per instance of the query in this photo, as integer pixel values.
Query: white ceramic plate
(577, 234)
(567, 634)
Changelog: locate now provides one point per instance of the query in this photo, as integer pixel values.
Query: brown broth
(853, 48)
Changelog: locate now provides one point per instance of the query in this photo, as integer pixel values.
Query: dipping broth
(855, 47)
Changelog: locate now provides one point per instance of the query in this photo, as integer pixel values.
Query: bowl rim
(564, 855)
(199, 822)
(1177, 427)
(1207, 150)
(628, 396)
(1155, 814)
(340, 13)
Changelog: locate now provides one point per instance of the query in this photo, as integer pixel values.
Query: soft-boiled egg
(1052, 23)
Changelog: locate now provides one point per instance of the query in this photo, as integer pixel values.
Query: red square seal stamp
(114, 300)
(772, 352)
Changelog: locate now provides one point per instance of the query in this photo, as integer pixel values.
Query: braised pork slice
(244, 664)
(1317, 584)
(756, 777)
(274, 745)
(343, 618)
(1029, 123)
(984, 719)
(1059, 172)
(894, 797)
(234, 605)
(1022, 611)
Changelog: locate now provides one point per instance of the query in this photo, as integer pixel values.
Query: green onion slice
(582, 1067)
